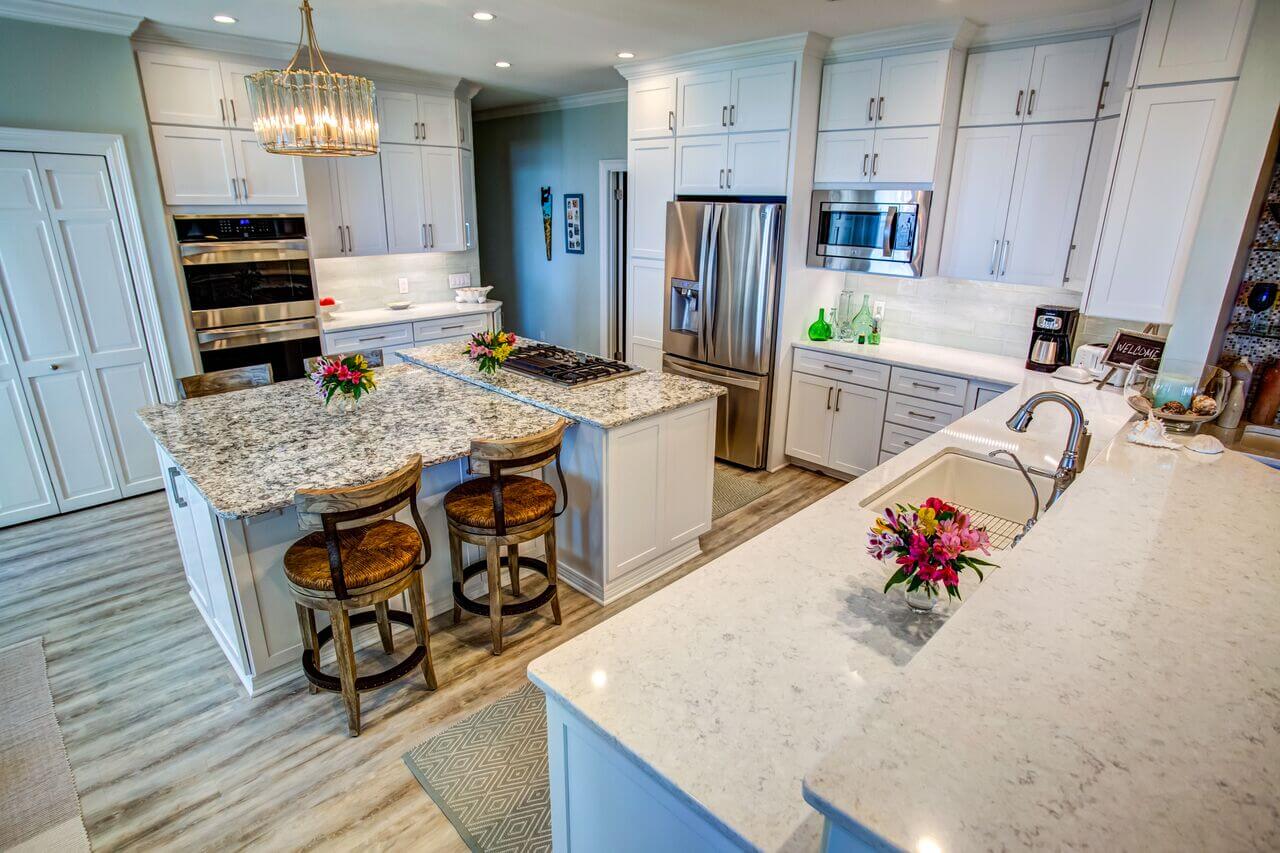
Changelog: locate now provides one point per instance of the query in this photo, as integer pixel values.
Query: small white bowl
(471, 294)
(327, 311)
(399, 305)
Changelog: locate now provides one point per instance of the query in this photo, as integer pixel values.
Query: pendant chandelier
(312, 111)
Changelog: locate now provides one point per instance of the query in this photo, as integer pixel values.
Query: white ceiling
(564, 47)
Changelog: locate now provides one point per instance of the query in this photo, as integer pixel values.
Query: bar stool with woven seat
(359, 556)
(505, 509)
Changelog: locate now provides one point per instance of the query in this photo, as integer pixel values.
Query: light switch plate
(404, 284)
(460, 279)
(877, 310)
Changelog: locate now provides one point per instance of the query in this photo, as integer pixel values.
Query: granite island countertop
(603, 404)
(249, 451)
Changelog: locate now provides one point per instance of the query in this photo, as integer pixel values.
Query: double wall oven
(874, 231)
(250, 291)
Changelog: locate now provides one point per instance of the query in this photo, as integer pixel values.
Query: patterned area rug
(488, 774)
(732, 490)
(39, 807)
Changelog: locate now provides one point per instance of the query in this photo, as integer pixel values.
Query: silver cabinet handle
(866, 158)
(1017, 109)
(722, 179)
(724, 116)
(173, 484)
(424, 235)
(351, 246)
(875, 161)
(671, 120)
(370, 340)
(728, 178)
(466, 228)
(880, 110)
(1102, 95)
(55, 367)
(871, 109)
(1031, 102)
(222, 107)
(922, 415)
(342, 241)
(995, 251)
(235, 189)
(906, 443)
(431, 235)
(1004, 257)
(839, 391)
(829, 390)
(451, 328)
(234, 120)
(1066, 270)
(732, 119)
(841, 369)
(926, 385)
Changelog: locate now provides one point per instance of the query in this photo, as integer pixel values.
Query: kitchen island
(781, 671)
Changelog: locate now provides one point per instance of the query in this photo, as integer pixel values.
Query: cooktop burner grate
(565, 367)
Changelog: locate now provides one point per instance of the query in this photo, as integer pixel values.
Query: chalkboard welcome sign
(1127, 347)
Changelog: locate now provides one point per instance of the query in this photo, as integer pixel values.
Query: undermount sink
(994, 494)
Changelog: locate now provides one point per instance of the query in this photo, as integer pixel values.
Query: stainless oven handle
(227, 333)
(890, 225)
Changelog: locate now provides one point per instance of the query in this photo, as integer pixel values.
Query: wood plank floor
(169, 752)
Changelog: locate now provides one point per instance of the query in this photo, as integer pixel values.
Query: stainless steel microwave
(873, 231)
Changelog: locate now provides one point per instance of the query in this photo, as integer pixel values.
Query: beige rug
(39, 808)
(733, 490)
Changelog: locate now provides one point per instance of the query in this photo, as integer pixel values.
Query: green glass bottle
(862, 321)
(820, 329)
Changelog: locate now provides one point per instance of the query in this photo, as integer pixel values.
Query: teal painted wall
(64, 79)
(558, 300)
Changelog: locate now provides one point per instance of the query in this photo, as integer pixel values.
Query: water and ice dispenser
(685, 310)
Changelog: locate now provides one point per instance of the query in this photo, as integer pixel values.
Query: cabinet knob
(54, 366)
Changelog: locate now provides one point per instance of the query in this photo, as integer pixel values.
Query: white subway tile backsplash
(370, 282)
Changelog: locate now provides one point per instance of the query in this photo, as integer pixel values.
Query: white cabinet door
(1169, 145)
(1119, 71)
(809, 417)
(761, 98)
(404, 201)
(470, 232)
(398, 117)
(645, 293)
(995, 86)
(635, 514)
(849, 93)
(464, 122)
(688, 450)
(1189, 40)
(904, 155)
(978, 201)
(857, 420)
(439, 117)
(239, 113)
(911, 89)
(25, 491)
(197, 165)
(650, 185)
(325, 235)
(651, 107)
(844, 156)
(1043, 205)
(1066, 78)
(267, 179)
(360, 188)
(443, 176)
(702, 105)
(1101, 153)
(182, 89)
(701, 162)
(757, 163)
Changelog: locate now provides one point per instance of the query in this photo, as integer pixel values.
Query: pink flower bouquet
(489, 349)
(930, 545)
(350, 377)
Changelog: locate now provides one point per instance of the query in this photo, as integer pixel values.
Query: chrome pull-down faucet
(1077, 437)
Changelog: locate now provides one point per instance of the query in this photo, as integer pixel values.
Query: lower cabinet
(394, 337)
(835, 424)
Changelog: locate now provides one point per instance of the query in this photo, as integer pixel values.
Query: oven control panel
(238, 229)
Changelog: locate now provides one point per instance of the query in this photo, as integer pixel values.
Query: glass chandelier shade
(312, 111)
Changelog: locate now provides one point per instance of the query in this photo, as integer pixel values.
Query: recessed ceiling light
(626, 54)
(502, 63)
(223, 19)
(482, 16)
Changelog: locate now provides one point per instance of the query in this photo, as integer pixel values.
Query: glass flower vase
(920, 598)
(341, 404)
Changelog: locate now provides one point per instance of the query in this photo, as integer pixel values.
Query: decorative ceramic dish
(1182, 404)
(471, 294)
(399, 306)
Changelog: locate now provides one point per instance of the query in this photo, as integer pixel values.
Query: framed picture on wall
(574, 244)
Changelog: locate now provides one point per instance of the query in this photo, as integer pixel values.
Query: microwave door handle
(890, 225)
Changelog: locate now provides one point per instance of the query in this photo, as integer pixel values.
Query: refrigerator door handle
(711, 284)
(713, 378)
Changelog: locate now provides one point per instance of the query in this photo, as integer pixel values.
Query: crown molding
(76, 17)
(568, 102)
(810, 44)
(1076, 25)
(955, 33)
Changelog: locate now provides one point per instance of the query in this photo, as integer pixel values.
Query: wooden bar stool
(359, 556)
(222, 381)
(504, 509)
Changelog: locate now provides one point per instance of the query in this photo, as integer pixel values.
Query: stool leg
(307, 626)
(513, 567)
(346, 666)
(494, 559)
(418, 604)
(384, 627)
(550, 539)
(455, 557)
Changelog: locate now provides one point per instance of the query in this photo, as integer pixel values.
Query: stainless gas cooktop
(564, 366)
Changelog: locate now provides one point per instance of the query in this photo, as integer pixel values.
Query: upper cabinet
(651, 107)
(742, 100)
(1192, 40)
(896, 91)
(1060, 81)
(415, 119)
(703, 103)
(423, 198)
(206, 166)
(344, 206)
(1119, 76)
(196, 90)
(1101, 154)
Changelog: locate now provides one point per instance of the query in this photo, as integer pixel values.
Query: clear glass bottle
(845, 315)
(860, 325)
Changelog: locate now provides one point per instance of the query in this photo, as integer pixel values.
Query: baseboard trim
(633, 579)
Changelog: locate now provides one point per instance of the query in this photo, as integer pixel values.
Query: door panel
(1065, 80)
(443, 186)
(844, 156)
(404, 200)
(761, 98)
(650, 184)
(703, 103)
(1119, 71)
(239, 113)
(757, 163)
(439, 116)
(183, 89)
(651, 107)
(645, 293)
(76, 446)
(103, 286)
(467, 166)
(992, 83)
(39, 312)
(124, 389)
(360, 187)
(684, 442)
(325, 236)
(269, 179)
(911, 89)
(1085, 236)
(635, 517)
(700, 165)
(25, 491)
(741, 306)
(398, 117)
(904, 155)
(1190, 40)
(809, 418)
(981, 183)
(849, 91)
(857, 420)
(197, 166)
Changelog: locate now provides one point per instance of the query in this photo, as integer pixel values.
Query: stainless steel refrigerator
(720, 314)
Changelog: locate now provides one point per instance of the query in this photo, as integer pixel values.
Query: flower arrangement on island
(348, 377)
(489, 349)
(930, 545)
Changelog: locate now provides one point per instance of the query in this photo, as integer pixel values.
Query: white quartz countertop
(1002, 369)
(341, 321)
(606, 404)
(249, 451)
(1115, 686)
(755, 667)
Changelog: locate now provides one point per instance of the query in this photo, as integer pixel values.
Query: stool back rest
(518, 456)
(221, 381)
(372, 357)
(332, 510)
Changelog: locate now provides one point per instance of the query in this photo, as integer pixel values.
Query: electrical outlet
(877, 310)
(404, 284)
(460, 279)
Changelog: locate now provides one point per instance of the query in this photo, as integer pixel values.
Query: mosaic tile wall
(1254, 331)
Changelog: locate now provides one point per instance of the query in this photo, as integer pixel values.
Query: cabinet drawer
(929, 386)
(870, 374)
(885, 456)
(376, 337)
(921, 414)
(425, 331)
(896, 438)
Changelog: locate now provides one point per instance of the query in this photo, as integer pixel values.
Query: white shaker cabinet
(651, 184)
(422, 198)
(757, 163)
(647, 290)
(809, 418)
(849, 93)
(266, 179)
(1167, 151)
(1192, 40)
(702, 103)
(978, 205)
(995, 86)
(844, 156)
(760, 98)
(239, 113)
(651, 107)
(183, 89)
(912, 86)
(1101, 154)
(442, 173)
(413, 119)
(701, 162)
(470, 225)
(904, 155)
(835, 424)
(1066, 78)
(1119, 76)
(197, 165)
(344, 206)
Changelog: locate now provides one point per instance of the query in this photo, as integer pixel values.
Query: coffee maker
(1051, 334)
